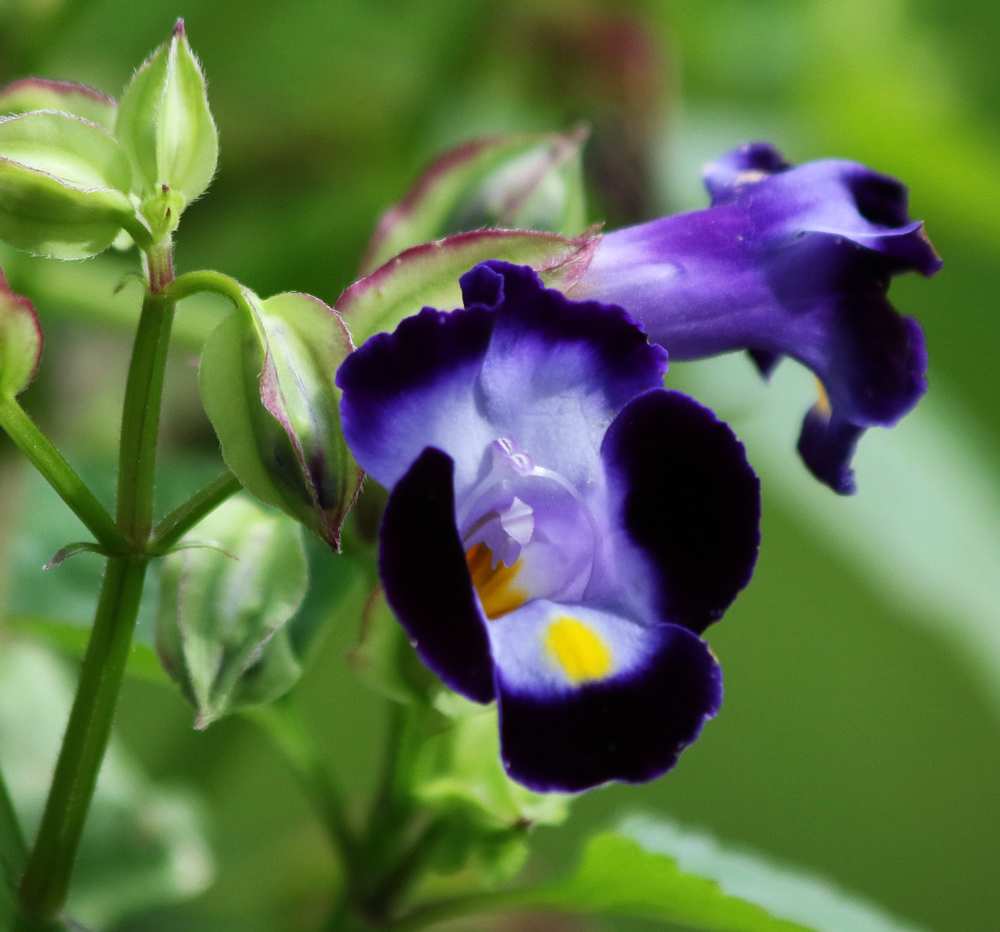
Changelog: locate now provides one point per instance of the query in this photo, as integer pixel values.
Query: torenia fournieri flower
(560, 529)
(787, 261)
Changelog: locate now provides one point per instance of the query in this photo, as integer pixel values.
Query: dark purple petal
(412, 388)
(630, 728)
(426, 580)
(788, 261)
(685, 495)
(537, 322)
(826, 446)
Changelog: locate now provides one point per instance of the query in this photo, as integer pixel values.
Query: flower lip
(511, 435)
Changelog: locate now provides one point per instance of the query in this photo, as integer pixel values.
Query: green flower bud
(528, 182)
(267, 383)
(165, 125)
(427, 275)
(20, 341)
(63, 96)
(63, 185)
(221, 628)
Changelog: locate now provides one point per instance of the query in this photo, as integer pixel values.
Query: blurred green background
(859, 737)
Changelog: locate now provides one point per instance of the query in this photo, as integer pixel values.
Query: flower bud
(165, 125)
(20, 341)
(63, 185)
(427, 275)
(221, 628)
(267, 383)
(530, 181)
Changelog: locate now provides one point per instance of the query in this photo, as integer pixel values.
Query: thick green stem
(183, 518)
(143, 393)
(46, 879)
(60, 475)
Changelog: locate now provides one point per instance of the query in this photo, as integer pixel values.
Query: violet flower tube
(786, 261)
(560, 528)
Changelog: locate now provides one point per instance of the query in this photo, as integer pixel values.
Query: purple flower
(560, 529)
(787, 261)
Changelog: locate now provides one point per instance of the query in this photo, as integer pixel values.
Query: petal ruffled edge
(685, 495)
(426, 580)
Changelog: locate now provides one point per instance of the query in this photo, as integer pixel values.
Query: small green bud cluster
(79, 172)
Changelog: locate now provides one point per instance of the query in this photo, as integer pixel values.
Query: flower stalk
(45, 884)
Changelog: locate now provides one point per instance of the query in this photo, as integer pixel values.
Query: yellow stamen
(496, 587)
(823, 405)
(578, 650)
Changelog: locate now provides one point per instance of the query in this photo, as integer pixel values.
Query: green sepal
(527, 181)
(427, 275)
(74, 99)
(221, 626)
(63, 186)
(267, 384)
(459, 771)
(165, 125)
(20, 341)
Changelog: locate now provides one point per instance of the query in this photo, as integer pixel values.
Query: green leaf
(220, 631)
(144, 845)
(657, 871)
(427, 275)
(63, 96)
(63, 184)
(165, 125)
(267, 384)
(528, 181)
(20, 341)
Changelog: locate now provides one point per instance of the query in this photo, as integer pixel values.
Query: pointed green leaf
(165, 125)
(63, 184)
(20, 341)
(528, 181)
(220, 630)
(64, 96)
(427, 275)
(657, 871)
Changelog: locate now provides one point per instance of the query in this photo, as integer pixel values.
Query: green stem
(143, 394)
(191, 283)
(13, 851)
(183, 518)
(60, 475)
(46, 878)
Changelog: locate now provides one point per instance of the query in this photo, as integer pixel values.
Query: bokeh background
(859, 736)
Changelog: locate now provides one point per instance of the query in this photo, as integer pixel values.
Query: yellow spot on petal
(496, 587)
(578, 650)
(823, 405)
